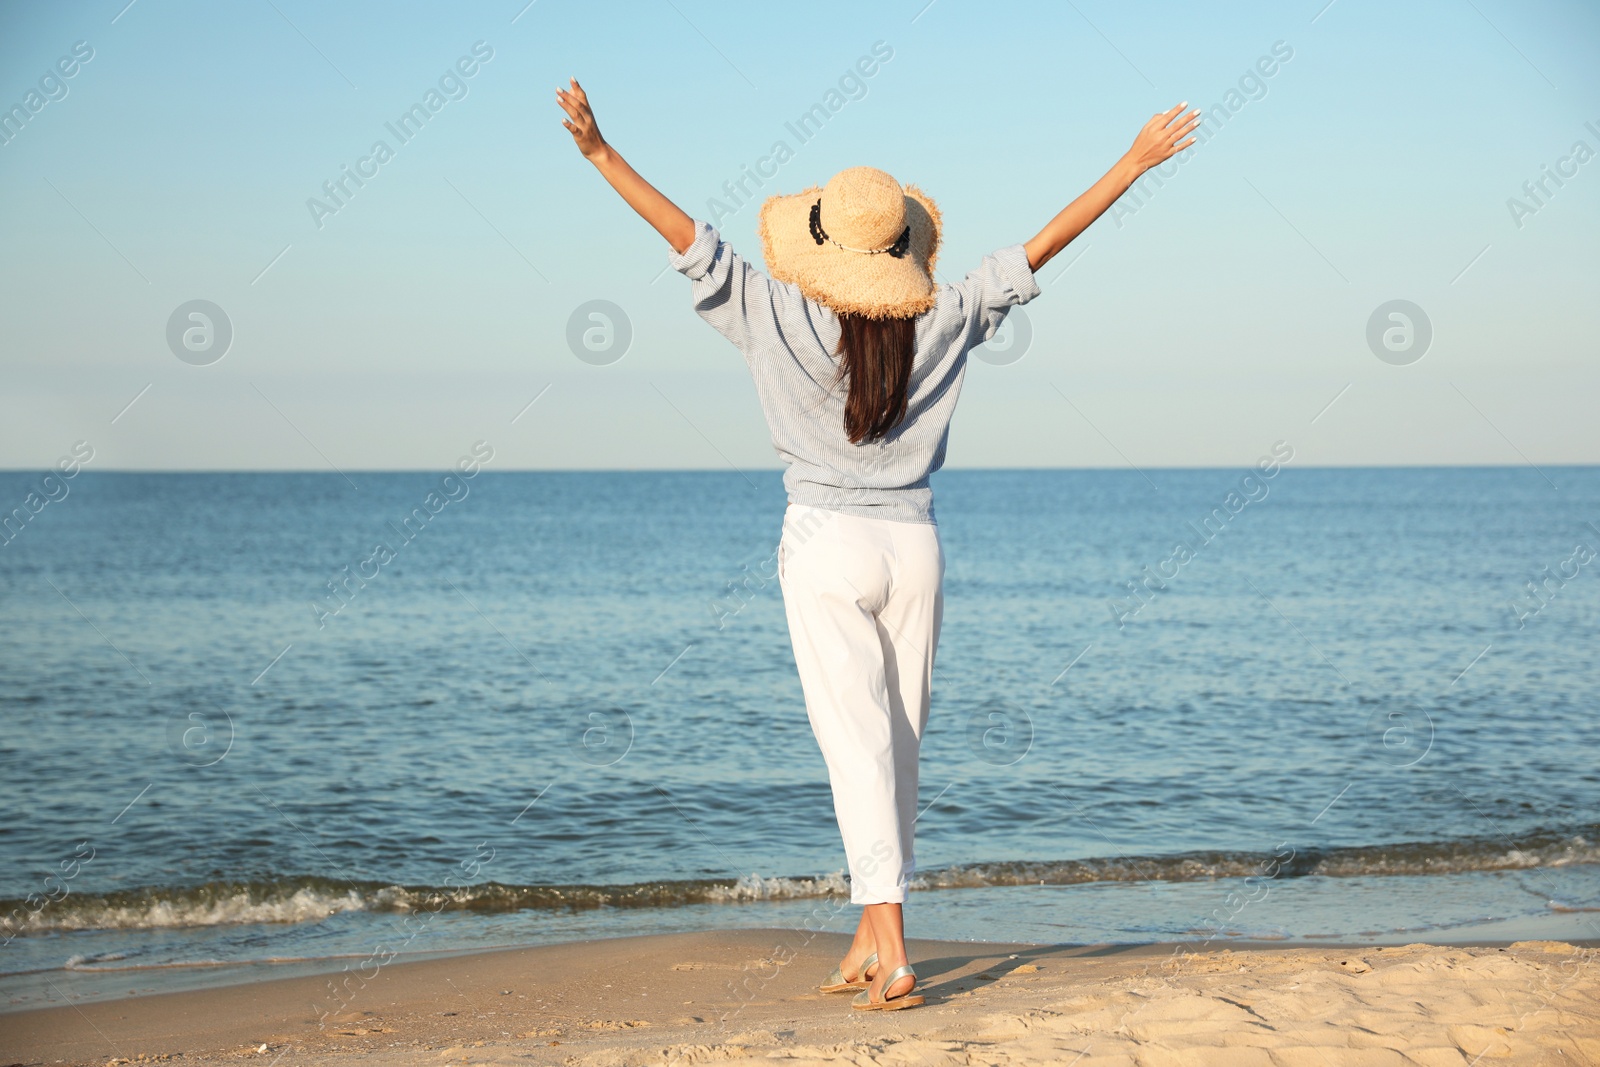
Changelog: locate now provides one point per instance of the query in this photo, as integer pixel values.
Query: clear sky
(426, 307)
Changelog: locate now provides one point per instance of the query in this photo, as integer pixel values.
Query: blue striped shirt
(788, 341)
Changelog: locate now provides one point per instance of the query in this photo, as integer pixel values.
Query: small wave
(313, 899)
(85, 961)
(1563, 906)
(755, 887)
(211, 904)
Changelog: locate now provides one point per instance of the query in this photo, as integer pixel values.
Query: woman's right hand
(580, 119)
(1159, 140)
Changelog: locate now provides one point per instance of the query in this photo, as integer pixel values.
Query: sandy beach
(749, 996)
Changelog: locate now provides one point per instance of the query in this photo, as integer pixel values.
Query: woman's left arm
(668, 219)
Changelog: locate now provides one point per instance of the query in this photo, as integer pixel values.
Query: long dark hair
(875, 354)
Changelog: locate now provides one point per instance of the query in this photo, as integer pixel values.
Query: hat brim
(876, 286)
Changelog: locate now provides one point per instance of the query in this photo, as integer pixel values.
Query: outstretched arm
(1156, 143)
(668, 219)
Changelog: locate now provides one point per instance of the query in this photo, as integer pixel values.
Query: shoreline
(729, 994)
(110, 978)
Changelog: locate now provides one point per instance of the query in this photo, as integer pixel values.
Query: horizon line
(1566, 465)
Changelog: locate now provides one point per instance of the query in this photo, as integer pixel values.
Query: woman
(852, 300)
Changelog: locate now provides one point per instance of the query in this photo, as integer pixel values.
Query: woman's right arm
(739, 302)
(652, 205)
(1156, 143)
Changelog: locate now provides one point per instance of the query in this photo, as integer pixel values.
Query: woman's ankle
(888, 962)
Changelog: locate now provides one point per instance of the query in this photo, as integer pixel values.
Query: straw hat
(863, 243)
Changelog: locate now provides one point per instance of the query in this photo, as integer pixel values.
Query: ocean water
(1169, 705)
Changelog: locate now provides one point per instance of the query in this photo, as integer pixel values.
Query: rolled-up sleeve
(739, 301)
(694, 261)
(1002, 280)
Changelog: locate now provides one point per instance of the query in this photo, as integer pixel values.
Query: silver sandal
(837, 983)
(863, 1000)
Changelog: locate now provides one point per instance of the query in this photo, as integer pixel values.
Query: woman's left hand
(580, 122)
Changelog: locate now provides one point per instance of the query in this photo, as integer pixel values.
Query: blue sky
(1226, 310)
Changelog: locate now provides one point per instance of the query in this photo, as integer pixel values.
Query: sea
(259, 723)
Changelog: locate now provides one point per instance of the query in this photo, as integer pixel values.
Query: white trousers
(864, 599)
